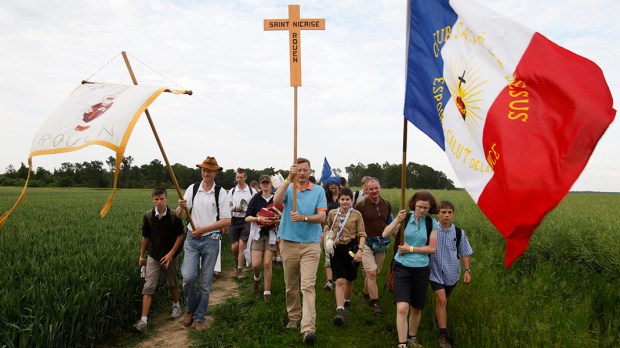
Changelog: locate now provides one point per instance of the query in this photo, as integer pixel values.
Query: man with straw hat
(210, 214)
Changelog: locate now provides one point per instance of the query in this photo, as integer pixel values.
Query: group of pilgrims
(268, 223)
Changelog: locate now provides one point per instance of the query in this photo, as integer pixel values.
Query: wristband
(258, 219)
(286, 182)
(410, 249)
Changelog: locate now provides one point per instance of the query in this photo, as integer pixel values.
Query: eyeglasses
(422, 207)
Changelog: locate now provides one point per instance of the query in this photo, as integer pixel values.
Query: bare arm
(393, 227)
(143, 245)
(165, 261)
(427, 249)
(467, 274)
(280, 194)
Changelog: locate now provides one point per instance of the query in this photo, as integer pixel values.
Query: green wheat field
(70, 279)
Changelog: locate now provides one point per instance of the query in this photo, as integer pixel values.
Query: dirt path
(171, 333)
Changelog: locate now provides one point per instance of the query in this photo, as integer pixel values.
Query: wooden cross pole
(294, 24)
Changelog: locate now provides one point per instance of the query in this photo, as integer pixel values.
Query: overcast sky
(350, 105)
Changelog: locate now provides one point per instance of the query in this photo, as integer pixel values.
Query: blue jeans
(198, 252)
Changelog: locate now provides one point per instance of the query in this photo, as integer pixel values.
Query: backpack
(233, 190)
(173, 217)
(149, 217)
(218, 188)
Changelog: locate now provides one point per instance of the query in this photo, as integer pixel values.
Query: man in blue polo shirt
(300, 235)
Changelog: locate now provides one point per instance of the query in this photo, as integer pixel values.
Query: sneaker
(413, 343)
(255, 285)
(292, 324)
(199, 325)
(266, 297)
(309, 337)
(444, 341)
(176, 312)
(347, 305)
(239, 273)
(376, 309)
(188, 319)
(367, 298)
(339, 318)
(328, 285)
(140, 325)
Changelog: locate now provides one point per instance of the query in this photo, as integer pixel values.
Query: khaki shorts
(371, 261)
(153, 268)
(262, 244)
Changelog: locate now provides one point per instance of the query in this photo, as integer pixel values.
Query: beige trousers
(301, 262)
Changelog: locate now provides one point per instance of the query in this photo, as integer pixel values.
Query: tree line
(96, 174)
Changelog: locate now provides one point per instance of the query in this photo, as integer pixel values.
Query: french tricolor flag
(517, 115)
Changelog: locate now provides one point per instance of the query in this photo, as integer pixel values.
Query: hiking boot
(376, 309)
(255, 285)
(292, 324)
(328, 285)
(176, 312)
(339, 318)
(309, 337)
(366, 298)
(140, 325)
(188, 319)
(199, 325)
(413, 343)
(444, 341)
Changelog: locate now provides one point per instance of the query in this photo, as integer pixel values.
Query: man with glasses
(300, 235)
(377, 213)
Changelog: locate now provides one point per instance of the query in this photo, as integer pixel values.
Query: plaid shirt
(445, 265)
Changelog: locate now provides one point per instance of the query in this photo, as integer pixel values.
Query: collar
(307, 187)
(239, 189)
(157, 215)
(203, 188)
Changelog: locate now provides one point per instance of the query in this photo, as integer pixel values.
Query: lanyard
(343, 221)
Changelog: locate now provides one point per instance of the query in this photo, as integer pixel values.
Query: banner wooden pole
(403, 179)
(161, 148)
(295, 149)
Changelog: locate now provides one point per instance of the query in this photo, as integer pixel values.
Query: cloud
(350, 105)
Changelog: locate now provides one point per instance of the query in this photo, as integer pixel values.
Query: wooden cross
(294, 25)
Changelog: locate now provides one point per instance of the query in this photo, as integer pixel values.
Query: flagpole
(295, 150)
(403, 179)
(161, 148)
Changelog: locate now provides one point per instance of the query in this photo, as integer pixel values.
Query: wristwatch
(467, 270)
(305, 218)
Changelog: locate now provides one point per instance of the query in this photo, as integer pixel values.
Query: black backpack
(149, 217)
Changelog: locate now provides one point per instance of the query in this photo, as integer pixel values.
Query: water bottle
(143, 271)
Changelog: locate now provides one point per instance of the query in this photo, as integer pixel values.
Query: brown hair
(445, 205)
(345, 191)
(424, 196)
(301, 160)
(158, 191)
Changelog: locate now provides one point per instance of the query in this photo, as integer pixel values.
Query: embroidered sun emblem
(465, 85)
